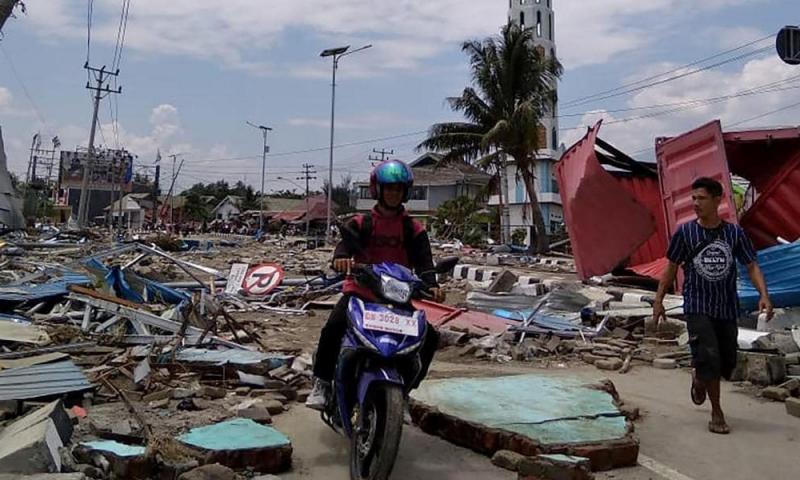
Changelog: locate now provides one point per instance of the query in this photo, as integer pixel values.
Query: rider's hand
(438, 294)
(343, 265)
(765, 306)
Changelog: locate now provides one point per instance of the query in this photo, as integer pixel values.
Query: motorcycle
(378, 366)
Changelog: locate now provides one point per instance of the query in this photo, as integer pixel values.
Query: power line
(676, 69)
(666, 80)
(771, 112)
(22, 84)
(688, 105)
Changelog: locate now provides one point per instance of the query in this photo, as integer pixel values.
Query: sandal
(698, 395)
(719, 428)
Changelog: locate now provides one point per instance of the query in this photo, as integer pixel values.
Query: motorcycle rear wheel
(376, 437)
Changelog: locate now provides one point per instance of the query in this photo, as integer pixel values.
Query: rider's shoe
(319, 395)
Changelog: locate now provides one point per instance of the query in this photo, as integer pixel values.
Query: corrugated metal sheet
(13, 295)
(681, 160)
(42, 381)
(605, 222)
(647, 192)
(780, 265)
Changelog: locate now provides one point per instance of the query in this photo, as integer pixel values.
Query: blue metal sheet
(42, 381)
(11, 296)
(780, 265)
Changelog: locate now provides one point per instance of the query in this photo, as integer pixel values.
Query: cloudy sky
(194, 71)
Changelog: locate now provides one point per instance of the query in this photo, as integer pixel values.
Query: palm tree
(513, 89)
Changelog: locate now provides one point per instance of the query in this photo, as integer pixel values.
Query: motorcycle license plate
(390, 322)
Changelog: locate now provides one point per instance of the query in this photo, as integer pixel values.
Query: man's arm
(757, 277)
(667, 280)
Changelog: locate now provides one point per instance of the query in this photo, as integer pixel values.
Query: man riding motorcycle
(386, 234)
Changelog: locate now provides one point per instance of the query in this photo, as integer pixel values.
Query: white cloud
(640, 133)
(5, 97)
(241, 33)
(366, 121)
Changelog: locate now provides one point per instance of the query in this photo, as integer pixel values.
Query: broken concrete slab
(127, 461)
(53, 411)
(491, 414)
(503, 282)
(775, 393)
(241, 443)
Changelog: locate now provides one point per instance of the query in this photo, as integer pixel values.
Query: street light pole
(264, 131)
(337, 53)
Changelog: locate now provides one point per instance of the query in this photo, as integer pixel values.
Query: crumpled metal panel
(647, 192)
(605, 222)
(10, 205)
(683, 159)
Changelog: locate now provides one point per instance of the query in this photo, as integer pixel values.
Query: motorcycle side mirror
(446, 264)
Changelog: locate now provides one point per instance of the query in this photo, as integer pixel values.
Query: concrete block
(256, 413)
(609, 364)
(793, 406)
(214, 471)
(775, 393)
(53, 411)
(213, 393)
(507, 459)
(665, 363)
(503, 282)
(32, 450)
(555, 467)
(158, 395)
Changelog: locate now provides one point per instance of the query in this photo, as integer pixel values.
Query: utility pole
(101, 91)
(264, 131)
(307, 172)
(382, 152)
(171, 194)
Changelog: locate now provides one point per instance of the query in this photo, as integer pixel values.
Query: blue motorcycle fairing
(396, 271)
(387, 375)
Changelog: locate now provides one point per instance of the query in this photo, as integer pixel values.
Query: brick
(793, 406)
(256, 413)
(610, 364)
(665, 363)
(507, 459)
(213, 393)
(775, 393)
(555, 467)
(213, 471)
(157, 395)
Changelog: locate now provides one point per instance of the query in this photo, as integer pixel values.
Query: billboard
(110, 169)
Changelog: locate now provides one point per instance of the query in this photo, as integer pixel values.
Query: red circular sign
(262, 279)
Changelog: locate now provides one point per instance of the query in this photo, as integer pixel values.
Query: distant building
(134, 209)
(227, 209)
(434, 184)
(539, 16)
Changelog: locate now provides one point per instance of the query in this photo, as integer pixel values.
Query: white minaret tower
(538, 15)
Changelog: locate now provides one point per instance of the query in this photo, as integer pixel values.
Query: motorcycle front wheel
(376, 436)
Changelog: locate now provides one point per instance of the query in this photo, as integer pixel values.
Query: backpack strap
(365, 232)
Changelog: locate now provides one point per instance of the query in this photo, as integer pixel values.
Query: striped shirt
(710, 285)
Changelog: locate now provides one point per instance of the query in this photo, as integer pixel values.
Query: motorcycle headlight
(395, 290)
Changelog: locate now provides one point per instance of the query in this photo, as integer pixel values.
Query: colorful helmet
(387, 172)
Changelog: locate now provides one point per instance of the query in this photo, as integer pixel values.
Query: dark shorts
(713, 343)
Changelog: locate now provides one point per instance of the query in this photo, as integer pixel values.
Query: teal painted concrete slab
(119, 449)
(550, 410)
(237, 434)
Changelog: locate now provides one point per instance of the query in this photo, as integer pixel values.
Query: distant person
(708, 249)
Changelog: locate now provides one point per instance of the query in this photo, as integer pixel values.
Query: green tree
(465, 219)
(196, 209)
(513, 89)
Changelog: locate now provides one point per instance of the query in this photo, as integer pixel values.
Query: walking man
(708, 249)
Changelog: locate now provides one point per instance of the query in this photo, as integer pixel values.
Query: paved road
(675, 444)
(320, 453)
